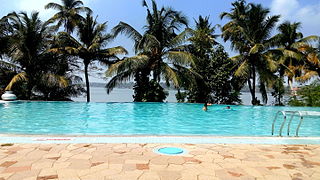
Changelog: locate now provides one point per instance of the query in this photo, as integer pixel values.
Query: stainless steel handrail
(292, 113)
(301, 119)
(274, 121)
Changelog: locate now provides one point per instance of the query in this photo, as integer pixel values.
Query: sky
(131, 11)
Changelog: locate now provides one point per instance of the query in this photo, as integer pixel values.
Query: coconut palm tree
(69, 13)
(249, 31)
(291, 52)
(4, 43)
(28, 44)
(90, 46)
(158, 50)
(4, 36)
(202, 40)
(311, 63)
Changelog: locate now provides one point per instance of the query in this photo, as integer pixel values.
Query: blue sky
(131, 11)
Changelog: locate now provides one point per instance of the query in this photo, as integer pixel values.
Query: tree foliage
(69, 13)
(89, 47)
(249, 30)
(158, 53)
(36, 69)
(307, 96)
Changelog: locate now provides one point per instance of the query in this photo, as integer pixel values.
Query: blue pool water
(69, 118)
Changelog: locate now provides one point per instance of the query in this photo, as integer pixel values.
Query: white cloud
(295, 11)
(284, 7)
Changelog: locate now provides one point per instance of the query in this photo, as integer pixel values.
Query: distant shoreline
(130, 85)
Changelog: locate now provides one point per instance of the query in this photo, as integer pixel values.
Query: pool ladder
(285, 114)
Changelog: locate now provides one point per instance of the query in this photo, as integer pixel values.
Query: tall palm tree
(158, 50)
(69, 13)
(28, 44)
(249, 31)
(90, 46)
(202, 40)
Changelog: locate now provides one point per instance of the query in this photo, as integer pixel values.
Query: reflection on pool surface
(68, 118)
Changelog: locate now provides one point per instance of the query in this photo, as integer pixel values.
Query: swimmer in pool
(205, 107)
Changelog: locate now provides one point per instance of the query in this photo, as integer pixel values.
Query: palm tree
(249, 31)
(28, 44)
(311, 62)
(69, 13)
(290, 45)
(158, 50)
(90, 46)
(202, 40)
(4, 36)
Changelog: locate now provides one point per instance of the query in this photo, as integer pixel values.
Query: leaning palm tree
(28, 49)
(69, 13)
(158, 50)
(90, 46)
(249, 31)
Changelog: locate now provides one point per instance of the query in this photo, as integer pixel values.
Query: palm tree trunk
(254, 99)
(250, 88)
(87, 80)
(29, 91)
(29, 87)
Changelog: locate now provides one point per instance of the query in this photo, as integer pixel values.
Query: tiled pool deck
(126, 161)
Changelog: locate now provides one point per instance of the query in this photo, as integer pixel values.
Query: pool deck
(130, 161)
(47, 139)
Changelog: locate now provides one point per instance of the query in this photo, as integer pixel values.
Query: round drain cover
(170, 150)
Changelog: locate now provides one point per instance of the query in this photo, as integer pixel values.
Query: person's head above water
(228, 107)
(205, 107)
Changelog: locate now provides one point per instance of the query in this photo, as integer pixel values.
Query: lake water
(98, 94)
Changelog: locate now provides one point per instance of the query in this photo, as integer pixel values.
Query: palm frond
(55, 80)
(54, 6)
(180, 38)
(310, 39)
(114, 51)
(132, 63)
(307, 76)
(243, 70)
(170, 74)
(119, 78)
(126, 29)
(256, 48)
(180, 58)
(8, 65)
(17, 78)
(292, 54)
(148, 42)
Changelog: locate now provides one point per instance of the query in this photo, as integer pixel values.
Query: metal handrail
(301, 119)
(274, 121)
(292, 113)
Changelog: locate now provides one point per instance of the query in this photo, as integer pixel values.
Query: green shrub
(307, 96)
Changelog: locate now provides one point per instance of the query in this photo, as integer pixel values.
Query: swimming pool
(69, 118)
